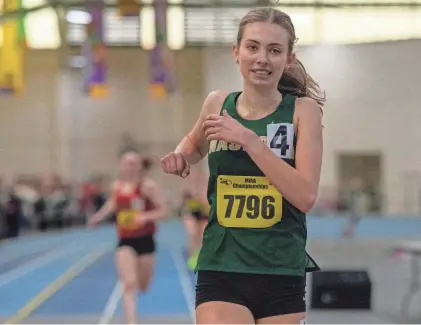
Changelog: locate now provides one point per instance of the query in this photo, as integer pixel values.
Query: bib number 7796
(254, 205)
(247, 202)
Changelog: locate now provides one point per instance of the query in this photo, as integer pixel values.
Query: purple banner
(161, 60)
(94, 51)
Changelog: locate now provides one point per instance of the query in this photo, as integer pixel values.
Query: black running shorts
(141, 245)
(264, 295)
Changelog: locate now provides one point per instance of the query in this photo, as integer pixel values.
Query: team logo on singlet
(280, 139)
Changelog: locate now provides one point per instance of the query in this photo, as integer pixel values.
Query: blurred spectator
(51, 207)
(358, 204)
(13, 214)
(99, 195)
(2, 205)
(27, 191)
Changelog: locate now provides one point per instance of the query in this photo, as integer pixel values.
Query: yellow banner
(11, 53)
(128, 8)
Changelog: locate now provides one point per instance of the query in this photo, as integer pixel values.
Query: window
(41, 27)
(135, 31)
(175, 28)
(212, 25)
(42, 31)
(339, 26)
(147, 28)
(120, 30)
(117, 30)
(218, 26)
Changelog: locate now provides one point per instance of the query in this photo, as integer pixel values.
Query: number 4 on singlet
(280, 139)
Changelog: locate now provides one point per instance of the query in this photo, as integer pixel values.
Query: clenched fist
(174, 163)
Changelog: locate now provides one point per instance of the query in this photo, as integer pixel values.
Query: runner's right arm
(194, 145)
(106, 210)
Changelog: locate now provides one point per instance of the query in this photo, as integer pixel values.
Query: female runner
(195, 212)
(138, 203)
(264, 146)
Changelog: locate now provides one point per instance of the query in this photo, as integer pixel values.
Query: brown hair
(295, 80)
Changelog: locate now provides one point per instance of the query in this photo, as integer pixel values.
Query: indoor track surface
(69, 276)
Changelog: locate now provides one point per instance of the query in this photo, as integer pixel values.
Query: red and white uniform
(130, 203)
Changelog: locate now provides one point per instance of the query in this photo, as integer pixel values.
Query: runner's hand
(174, 163)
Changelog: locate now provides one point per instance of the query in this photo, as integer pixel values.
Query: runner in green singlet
(195, 212)
(264, 147)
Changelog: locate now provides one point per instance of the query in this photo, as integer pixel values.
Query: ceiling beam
(21, 12)
(65, 4)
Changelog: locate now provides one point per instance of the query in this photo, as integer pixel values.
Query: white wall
(91, 129)
(53, 126)
(374, 96)
(27, 122)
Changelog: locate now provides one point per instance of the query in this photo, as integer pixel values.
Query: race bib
(247, 202)
(126, 219)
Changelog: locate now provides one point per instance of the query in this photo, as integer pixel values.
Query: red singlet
(128, 205)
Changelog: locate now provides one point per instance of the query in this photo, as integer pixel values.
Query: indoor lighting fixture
(78, 17)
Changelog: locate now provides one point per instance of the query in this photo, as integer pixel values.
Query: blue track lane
(19, 260)
(16, 248)
(87, 294)
(16, 294)
(165, 296)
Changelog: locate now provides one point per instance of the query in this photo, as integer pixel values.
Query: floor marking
(184, 278)
(56, 285)
(112, 304)
(36, 263)
(22, 248)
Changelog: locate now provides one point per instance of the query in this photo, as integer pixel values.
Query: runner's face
(130, 165)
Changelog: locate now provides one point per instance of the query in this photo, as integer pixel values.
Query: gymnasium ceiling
(214, 22)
